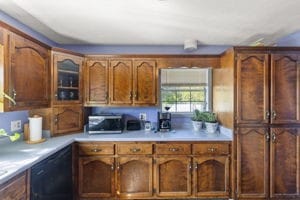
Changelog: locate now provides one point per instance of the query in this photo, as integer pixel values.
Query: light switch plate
(15, 125)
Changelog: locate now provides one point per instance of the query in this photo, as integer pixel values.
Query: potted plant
(197, 120)
(211, 122)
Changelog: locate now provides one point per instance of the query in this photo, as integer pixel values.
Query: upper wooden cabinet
(267, 88)
(27, 74)
(67, 78)
(120, 82)
(96, 82)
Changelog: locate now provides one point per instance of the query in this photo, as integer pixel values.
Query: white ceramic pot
(211, 127)
(197, 125)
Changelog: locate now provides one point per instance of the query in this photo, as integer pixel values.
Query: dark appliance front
(164, 121)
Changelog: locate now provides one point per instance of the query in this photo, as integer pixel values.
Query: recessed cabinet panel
(252, 162)
(96, 177)
(252, 88)
(285, 167)
(28, 74)
(285, 91)
(96, 82)
(135, 176)
(173, 176)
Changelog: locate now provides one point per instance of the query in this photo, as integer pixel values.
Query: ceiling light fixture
(190, 45)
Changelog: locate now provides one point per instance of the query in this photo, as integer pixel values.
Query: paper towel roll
(35, 127)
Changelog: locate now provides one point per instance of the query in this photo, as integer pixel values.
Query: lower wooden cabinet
(151, 170)
(173, 176)
(16, 188)
(268, 163)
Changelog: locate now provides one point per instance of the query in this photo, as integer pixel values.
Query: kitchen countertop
(19, 156)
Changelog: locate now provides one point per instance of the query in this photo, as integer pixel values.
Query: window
(184, 90)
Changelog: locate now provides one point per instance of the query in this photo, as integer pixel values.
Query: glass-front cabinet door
(67, 78)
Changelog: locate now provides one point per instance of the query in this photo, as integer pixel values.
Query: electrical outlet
(143, 116)
(15, 125)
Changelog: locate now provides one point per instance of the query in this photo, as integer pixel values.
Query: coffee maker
(164, 120)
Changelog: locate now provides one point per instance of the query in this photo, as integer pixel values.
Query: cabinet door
(285, 165)
(96, 177)
(28, 74)
(252, 89)
(173, 176)
(134, 176)
(211, 176)
(252, 162)
(15, 189)
(96, 82)
(120, 79)
(67, 81)
(285, 91)
(145, 82)
(67, 119)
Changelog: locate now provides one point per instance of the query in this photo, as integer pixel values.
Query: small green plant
(209, 117)
(12, 138)
(197, 115)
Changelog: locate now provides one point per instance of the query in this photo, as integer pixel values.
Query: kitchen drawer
(95, 149)
(15, 188)
(210, 148)
(173, 149)
(134, 149)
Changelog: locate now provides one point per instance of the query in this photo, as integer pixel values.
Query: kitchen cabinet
(96, 82)
(252, 162)
(211, 170)
(67, 78)
(284, 163)
(15, 189)
(153, 170)
(96, 168)
(27, 73)
(132, 82)
(255, 91)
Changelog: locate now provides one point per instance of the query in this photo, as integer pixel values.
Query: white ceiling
(158, 22)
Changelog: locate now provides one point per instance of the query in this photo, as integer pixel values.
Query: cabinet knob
(135, 150)
(273, 137)
(268, 137)
(174, 149)
(196, 165)
(274, 114)
(112, 167)
(96, 150)
(267, 114)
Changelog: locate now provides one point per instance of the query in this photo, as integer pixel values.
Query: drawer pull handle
(212, 150)
(135, 150)
(96, 150)
(174, 149)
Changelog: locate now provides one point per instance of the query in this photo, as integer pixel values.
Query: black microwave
(105, 123)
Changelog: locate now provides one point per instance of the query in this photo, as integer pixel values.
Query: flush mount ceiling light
(190, 45)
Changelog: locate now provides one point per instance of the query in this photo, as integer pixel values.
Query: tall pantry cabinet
(266, 122)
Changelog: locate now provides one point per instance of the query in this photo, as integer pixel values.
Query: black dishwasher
(51, 179)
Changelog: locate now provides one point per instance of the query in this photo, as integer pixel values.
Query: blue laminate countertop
(19, 156)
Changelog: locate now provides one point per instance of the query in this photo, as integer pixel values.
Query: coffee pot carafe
(164, 121)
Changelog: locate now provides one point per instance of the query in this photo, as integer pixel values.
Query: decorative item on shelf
(211, 122)
(197, 120)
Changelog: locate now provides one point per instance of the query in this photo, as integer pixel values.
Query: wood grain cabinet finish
(67, 119)
(134, 176)
(285, 88)
(144, 91)
(252, 162)
(132, 82)
(15, 189)
(252, 88)
(96, 82)
(153, 170)
(28, 74)
(96, 177)
(120, 81)
(285, 165)
(260, 81)
(173, 176)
